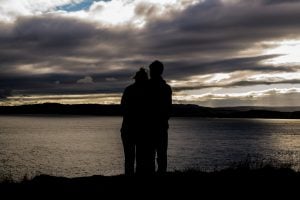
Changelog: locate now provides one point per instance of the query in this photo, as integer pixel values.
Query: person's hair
(156, 68)
(141, 75)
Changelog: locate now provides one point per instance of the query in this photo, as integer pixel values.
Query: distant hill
(179, 110)
(55, 108)
(277, 108)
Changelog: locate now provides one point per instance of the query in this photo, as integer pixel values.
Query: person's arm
(167, 102)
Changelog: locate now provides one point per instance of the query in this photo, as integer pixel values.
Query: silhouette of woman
(134, 131)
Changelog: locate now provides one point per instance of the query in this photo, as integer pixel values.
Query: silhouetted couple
(146, 106)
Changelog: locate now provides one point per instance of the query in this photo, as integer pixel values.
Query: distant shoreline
(179, 110)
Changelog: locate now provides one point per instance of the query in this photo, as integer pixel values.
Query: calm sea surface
(75, 146)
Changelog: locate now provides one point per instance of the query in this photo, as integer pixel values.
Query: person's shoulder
(167, 86)
(129, 88)
(132, 86)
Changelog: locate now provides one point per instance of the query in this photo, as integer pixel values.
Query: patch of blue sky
(83, 5)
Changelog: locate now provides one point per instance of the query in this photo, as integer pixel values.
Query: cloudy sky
(215, 52)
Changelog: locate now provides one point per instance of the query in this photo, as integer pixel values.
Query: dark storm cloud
(62, 84)
(280, 1)
(36, 53)
(223, 66)
(233, 84)
(4, 93)
(45, 39)
(213, 27)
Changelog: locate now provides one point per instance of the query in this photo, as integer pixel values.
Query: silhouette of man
(160, 104)
(131, 105)
(134, 118)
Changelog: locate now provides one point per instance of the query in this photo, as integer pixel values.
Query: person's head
(141, 75)
(156, 69)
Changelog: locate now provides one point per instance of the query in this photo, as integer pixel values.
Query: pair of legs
(141, 150)
(129, 146)
(161, 147)
(145, 158)
(155, 145)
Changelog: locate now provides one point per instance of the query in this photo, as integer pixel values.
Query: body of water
(73, 146)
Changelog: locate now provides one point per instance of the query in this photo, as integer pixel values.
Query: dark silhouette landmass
(63, 109)
(178, 110)
(267, 180)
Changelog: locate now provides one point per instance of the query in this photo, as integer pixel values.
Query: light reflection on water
(84, 146)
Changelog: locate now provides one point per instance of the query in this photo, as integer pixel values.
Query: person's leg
(150, 159)
(129, 152)
(139, 158)
(145, 158)
(162, 147)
